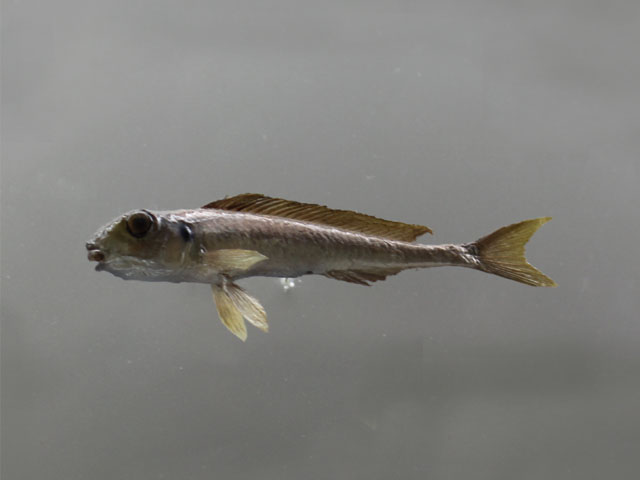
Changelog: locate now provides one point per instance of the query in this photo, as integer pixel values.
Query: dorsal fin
(319, 214)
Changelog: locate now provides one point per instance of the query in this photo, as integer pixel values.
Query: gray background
(463, 115)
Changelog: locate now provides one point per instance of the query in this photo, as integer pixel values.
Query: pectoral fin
(232, 260)
(235, 305)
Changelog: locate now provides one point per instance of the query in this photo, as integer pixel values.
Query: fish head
(139, 245)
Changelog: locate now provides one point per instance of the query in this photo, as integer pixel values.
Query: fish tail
(502, 253)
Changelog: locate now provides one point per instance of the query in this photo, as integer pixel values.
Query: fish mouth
(96, 256)
(94, 253)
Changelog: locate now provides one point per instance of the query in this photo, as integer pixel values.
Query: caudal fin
(502, 253)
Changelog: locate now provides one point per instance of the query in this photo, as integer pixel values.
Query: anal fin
(363, 277)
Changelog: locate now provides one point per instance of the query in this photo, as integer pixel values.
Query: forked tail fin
(502, 253)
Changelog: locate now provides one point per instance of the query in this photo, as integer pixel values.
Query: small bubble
(289, 283)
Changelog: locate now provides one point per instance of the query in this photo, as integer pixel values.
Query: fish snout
(95, 254)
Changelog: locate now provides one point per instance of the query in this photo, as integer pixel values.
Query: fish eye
(139, 224)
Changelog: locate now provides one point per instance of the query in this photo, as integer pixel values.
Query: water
(462, 116)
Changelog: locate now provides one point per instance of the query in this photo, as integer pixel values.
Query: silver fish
(254, 235)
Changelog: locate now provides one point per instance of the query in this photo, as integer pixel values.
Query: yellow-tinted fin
(229, 314)
(502, 253)
(232, 260)
(248, 306)
(235, 306)
(321, 215)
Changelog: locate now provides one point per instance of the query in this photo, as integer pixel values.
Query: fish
(251, 235)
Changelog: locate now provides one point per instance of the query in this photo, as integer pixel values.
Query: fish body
(253, 235)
